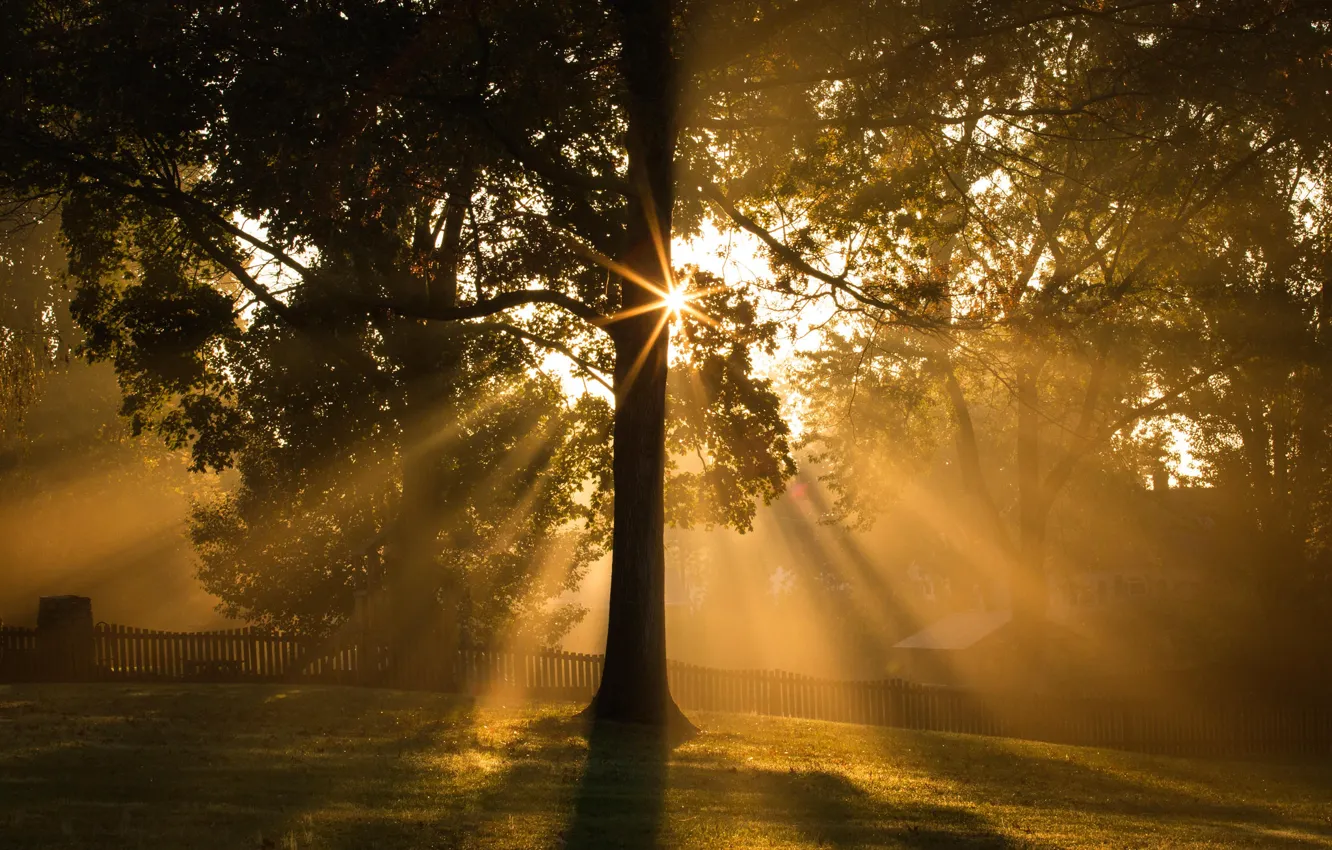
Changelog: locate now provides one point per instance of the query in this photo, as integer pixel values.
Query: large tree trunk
(633, 685)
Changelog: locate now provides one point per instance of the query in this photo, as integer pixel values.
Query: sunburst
(676, 300)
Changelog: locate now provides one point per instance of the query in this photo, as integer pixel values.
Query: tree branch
(545, 342)
(489, 306)
(237, 270)
(1061, 471)
(348, 354)
(146, 188)
(538, 162)
(792, 257)
(968, 450)
(914, 119)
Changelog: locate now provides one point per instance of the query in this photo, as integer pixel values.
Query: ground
(225, 766)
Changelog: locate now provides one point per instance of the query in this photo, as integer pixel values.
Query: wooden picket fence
(123, 652)
(1230, 727)
(18, 654)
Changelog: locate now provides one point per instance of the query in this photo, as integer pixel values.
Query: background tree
(66, 457)
(320, 482)
(1259, 429)
(35, 332)
(1017, 217)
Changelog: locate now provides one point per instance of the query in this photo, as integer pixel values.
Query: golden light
(676, 300)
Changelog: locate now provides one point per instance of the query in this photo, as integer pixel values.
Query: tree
(1259, 429)
(35, 335)
(412, 175)
(1019, 221)
(320, 482)
(67, 459)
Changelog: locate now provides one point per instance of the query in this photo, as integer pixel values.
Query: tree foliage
(1027, 263)
(313, 239)
(358, 248)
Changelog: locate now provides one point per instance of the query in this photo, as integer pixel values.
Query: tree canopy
(376, 255)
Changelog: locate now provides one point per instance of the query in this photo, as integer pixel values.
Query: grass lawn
(308, 767)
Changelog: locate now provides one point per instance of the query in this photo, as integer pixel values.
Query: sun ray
(660, 242)
(675, 299)
(630, 312)
(642, 356)
(674, 303)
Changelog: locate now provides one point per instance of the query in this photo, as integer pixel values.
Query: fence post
(66, 645)
(361, 629)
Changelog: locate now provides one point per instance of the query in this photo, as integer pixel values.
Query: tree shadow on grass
(571, 783)
(1125, 790)
(628, 788)
(828, 810)
(621, 794)
(813, 802)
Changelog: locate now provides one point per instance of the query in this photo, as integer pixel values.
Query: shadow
(1227, 803)
(620, 800)
(828, 810)
(247, 766)
(635, 791)
(577, 784)
(223, 766)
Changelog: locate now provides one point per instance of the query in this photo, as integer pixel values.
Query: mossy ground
(310, 767)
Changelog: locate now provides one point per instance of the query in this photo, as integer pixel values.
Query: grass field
(307, 767)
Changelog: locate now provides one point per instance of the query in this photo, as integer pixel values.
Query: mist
(92, 511)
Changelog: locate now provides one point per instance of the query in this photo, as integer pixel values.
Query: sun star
(676, 300)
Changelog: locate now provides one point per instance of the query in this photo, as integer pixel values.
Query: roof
(957, 631)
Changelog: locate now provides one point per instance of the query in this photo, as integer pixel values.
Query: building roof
(957, 631)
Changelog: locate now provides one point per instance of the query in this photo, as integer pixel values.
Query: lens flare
(676, 300)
